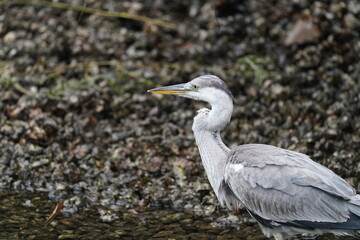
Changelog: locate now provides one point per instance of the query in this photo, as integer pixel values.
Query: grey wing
(282, 186)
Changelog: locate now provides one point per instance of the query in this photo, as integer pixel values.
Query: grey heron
(286, 192)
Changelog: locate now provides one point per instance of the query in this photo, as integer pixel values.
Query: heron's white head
(208, 88)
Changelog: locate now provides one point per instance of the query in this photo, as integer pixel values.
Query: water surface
(23, 216)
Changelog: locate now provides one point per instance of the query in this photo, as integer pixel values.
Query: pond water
(23, 216)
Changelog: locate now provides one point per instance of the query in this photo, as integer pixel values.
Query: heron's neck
(206, 127)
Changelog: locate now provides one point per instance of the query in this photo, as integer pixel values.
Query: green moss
(254, 67)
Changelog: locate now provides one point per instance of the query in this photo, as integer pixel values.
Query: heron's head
(208, 88)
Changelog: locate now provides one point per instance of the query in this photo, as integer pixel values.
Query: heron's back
(281, 187)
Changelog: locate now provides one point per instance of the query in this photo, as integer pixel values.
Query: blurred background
(79, 131)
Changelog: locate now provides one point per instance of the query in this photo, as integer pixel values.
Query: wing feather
(283, 185)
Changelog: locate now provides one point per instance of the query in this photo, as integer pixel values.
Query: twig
(81, 65)
(91, 11)
(56, 212)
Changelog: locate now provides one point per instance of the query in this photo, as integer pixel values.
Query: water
(23, 216)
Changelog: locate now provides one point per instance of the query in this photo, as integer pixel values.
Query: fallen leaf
(186, 44)
(304, 30)
(56, 212)
(36, 113)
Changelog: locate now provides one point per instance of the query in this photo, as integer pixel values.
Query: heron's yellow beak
(178, 89)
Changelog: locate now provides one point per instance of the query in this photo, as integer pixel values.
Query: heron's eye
(195, 87)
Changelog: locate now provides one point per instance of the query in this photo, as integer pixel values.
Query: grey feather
(308, 172)
(227, 197)
(354, 205)
(283, 185)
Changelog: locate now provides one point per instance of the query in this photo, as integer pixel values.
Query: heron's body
(288, 193)
(285, 191)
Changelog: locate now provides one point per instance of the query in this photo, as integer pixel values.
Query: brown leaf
(56, 212)
(36, 113)
(13, 113)
(2, 194)
(186, 44)
(304, 30)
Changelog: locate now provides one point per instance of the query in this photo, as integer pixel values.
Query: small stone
(34, 149)
(5, 129)
(40, 163)
(28, 203)
(68, 236)
(163, 234)
(10, 37)
(350, 21)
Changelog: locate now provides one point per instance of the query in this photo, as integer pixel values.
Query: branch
(91, 11)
